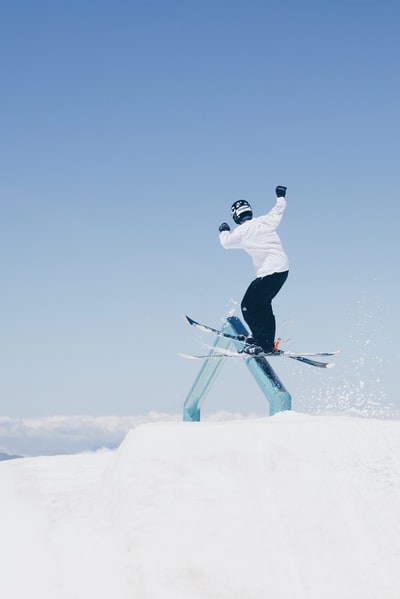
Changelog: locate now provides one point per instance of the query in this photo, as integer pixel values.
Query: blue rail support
(202, 384)
(279, 399)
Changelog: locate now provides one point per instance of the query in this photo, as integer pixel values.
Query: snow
(289, 507)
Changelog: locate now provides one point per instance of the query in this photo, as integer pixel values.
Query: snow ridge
(289, 506)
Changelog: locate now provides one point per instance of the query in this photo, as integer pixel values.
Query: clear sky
(128, 129)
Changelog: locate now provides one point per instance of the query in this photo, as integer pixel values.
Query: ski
(243, 339)
(208, 329)
(299, 357)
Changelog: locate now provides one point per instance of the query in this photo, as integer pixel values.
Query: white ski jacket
(258, 237)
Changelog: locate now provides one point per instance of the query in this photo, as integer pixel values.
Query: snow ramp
(288, 507)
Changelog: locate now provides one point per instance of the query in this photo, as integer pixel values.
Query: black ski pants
(257, 308)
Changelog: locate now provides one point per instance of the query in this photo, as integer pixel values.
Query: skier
(258, 237)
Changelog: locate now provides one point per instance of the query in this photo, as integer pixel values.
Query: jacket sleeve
(274, 216)
(231, 239)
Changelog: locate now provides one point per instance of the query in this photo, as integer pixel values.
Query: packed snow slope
(289, 507)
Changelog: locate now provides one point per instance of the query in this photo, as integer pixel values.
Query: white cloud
(52, 435)
(49, 435)
(69, 434)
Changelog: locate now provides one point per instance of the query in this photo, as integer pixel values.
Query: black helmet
(241, 211)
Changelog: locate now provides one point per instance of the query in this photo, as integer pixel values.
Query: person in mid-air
(258, 237)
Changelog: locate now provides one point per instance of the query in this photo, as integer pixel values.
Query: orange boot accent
(276, 344)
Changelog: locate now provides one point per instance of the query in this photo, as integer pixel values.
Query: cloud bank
(53, 435)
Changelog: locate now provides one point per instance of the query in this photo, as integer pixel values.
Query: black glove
(224, 227)
(280, 191)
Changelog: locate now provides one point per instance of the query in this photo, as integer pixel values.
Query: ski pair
(301, 357)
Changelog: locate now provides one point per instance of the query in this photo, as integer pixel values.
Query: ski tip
(187, 319)
(330, 365)
(187, 356)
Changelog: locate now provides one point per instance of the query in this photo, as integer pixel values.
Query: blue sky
(127, 130)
